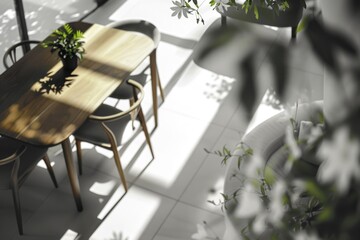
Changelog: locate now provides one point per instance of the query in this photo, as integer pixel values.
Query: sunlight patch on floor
(111, 203)
(130, 217)
(174, 142)
(70, 235)
(264, 111)
(103, 189)
(205, 93)
(43, 165)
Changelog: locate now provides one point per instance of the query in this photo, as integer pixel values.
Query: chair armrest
(16, 155)
(137, 86)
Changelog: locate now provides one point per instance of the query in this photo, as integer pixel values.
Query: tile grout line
(178, 200)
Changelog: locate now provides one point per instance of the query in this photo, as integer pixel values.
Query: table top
(32, 113)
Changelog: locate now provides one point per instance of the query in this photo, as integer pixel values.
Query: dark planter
(70, 63)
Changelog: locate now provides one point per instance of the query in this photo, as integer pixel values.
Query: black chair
(150, 30)
(17, 160)
(16, 51)
(105, 128)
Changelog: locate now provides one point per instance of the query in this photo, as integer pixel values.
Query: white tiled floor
(168, 196)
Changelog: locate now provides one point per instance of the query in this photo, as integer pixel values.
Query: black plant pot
(70, 63)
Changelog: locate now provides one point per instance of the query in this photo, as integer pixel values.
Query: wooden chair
(289, 18)
(148, 29)
(17, 161)
(16, 51)
(105, 128)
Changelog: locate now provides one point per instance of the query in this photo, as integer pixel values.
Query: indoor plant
(183, 7)
(323, 204)
(69, 45)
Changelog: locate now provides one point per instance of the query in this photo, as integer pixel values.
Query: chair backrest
(10, 150)
(140, 26)
(15, 52)
(139, 96)
(9, 163)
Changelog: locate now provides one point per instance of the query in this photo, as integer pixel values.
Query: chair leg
(132, 114)
(113, 144)
(153, 66)
(293, 33)
(78, 153)
(50, 170)
(223, 21)
(15, 191)
(145, 130)
(119, 167)
(160, 86)
(154, 82)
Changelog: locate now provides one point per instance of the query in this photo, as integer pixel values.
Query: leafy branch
(226, 153)
(67, 42)
(184, 7)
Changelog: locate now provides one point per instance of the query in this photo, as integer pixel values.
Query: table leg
(74, 181)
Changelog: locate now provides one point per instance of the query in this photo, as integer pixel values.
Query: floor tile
(209, 97)
(304, 85)
(185, 221)
(137, 216)
(97, 190)
(303, 58)
(37, 188)
(178, 154)
(171, 59)
(208, 182)
(222, 49)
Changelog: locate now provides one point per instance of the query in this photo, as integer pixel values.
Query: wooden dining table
(42, 104)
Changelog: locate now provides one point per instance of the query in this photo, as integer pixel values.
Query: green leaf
(243, 233)
(262, 190)
(256, 12)
(207, 151)
(269, 177)
(315, 190)
(226, 151)
(236, 193)
(302, 25)
(325, 214)
(68, 29)
(249, 152)
(225, 196)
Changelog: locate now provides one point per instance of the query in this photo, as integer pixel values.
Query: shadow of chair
(267, 16)
(17, 160)
(105, 128)
(150, 30)
(16, 51)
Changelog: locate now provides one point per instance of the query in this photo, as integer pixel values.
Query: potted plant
(183, 8)
(69, 45)
(316, 193)
(311, 189)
